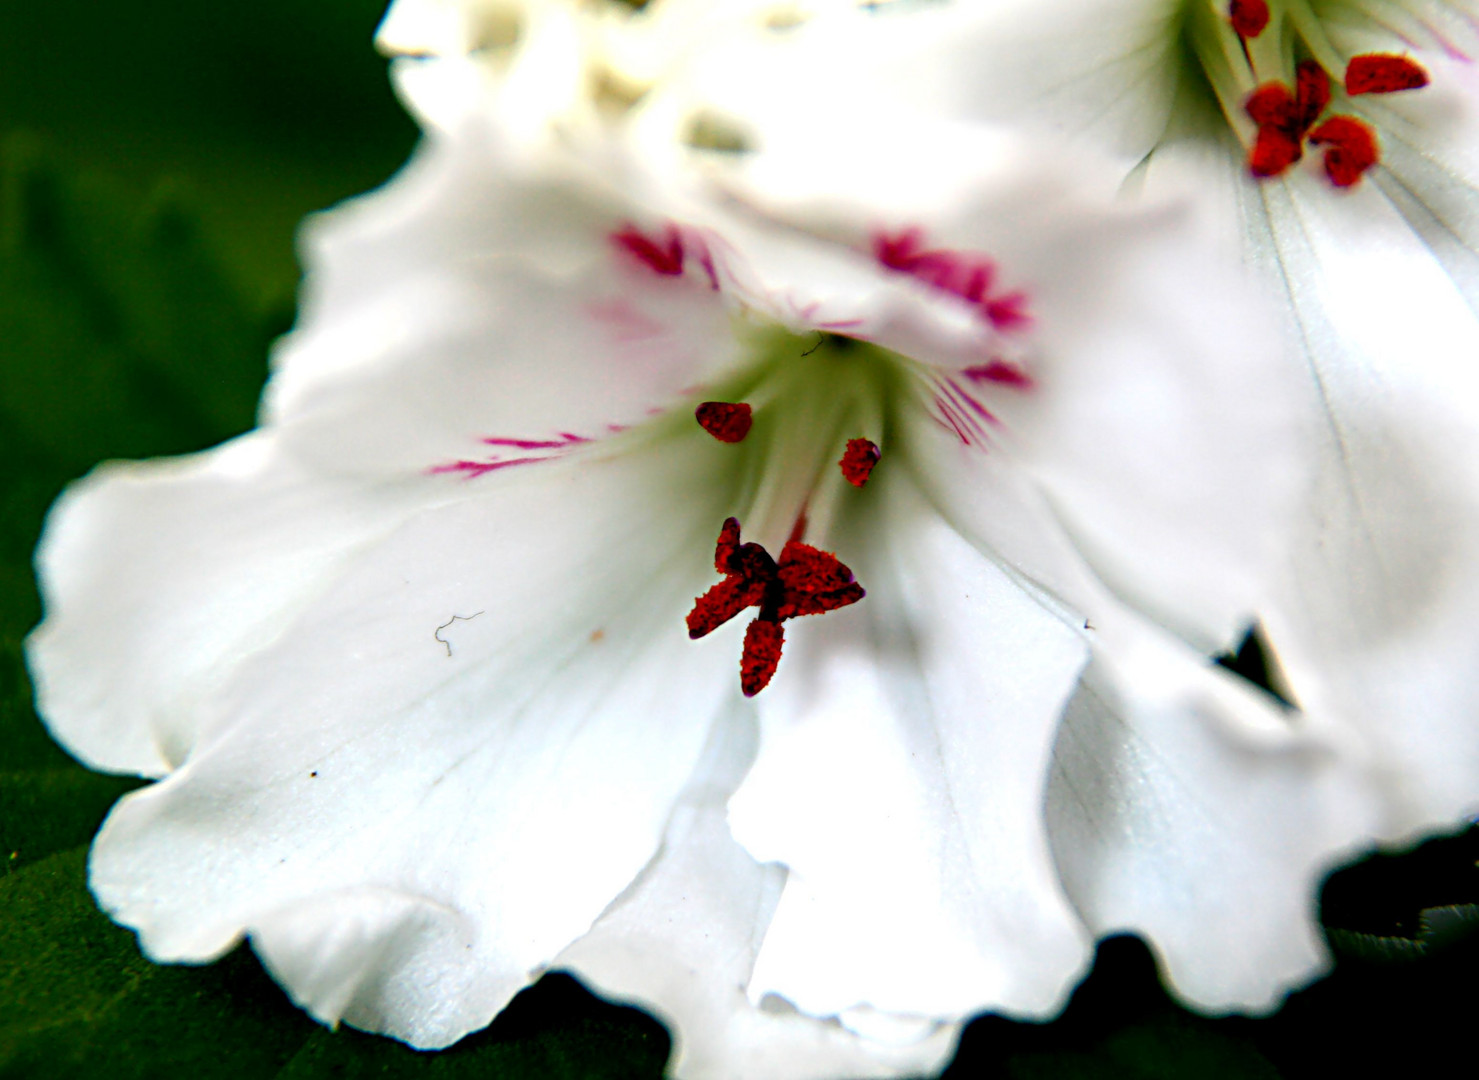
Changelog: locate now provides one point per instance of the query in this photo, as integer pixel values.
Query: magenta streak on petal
(566, 439)
(664, 256)
(1001, 373)
(959, 393)
(1006, 312)
(478, 468)
(963, 274)
(948, 417)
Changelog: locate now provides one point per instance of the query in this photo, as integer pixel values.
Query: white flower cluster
(747, 516)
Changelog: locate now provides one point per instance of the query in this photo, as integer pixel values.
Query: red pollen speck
(1248, 17)
(727, 422)
(858, 461)
(1382, 73)
(1351, 148)
(665, 258)
(762, 654)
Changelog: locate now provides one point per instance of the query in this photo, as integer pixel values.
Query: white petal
(1184, 808)
(682, 942)
(158, 578)
(477, 297)
(425, 27)
(446, 768)
(1374, 620)
(903, 750)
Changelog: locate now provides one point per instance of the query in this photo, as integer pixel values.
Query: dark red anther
(729, 423)
(1311, 93)
(1351, 148)
(813, 582)
(728, 545)
(723, 602)
(1383, 73)
(1248, 17)
(807, 581)
(762, 653)
(858, 461)
(1271, 105)
(1273, 152)
(663, 257)
(1284, 118)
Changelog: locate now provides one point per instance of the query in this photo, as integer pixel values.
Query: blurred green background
(156, 157)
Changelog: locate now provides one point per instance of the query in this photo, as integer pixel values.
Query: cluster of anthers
(1288, 118)
(803, 581)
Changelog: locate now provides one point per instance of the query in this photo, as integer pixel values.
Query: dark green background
(156, 159)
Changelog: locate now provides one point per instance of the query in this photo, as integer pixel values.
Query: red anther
(1383, 73)
(729, 423)
(723, 602)
(858, 461)
(728, 545)
(1352, 148)
(665, 257)
(1248, 17)
(1311, 93)
(806, 582)
(1274, 151)
(763, 641)
(1271, 105)
(813, 582)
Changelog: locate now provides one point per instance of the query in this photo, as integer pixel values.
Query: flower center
(799, 438)
(1269, 63)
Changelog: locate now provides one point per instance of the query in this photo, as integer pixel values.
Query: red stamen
(1311, 93)
(858, 461)
(723, 602)
(1248, 17)
(728, 545)
(729, 423)
(1383, 73)
(1352, 148)
(806, 582)
(813, 582)
(1271, 105)
(761, 656)
(1274, 151)
(665, 258)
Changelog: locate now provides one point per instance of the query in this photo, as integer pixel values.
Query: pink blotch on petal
(662, 256)
(967, 275)
(1001, 373)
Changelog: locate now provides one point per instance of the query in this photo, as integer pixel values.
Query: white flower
(1372, 235)
(412, 661)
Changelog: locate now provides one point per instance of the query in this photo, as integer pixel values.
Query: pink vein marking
(964, 274)
(1001, 373)
(565, 439)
